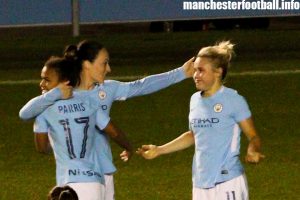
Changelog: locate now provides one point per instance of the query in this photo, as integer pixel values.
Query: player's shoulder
(111, 83)
(229, 91)
(78, 103)
(106, 83)
(196, 95)
(232, 94)
(194, 99)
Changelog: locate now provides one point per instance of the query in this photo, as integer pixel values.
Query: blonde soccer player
(217, 116)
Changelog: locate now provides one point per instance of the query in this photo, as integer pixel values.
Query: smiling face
(206, 77)
(49, 80)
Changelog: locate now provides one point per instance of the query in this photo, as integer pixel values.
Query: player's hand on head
(254, 157)
(125, 155)
(188, 67)
(148, 151)
(65, 89)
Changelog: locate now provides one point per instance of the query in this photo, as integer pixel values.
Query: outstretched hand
(148, 151)
(66, 90)
(188, 67)
(254, 157)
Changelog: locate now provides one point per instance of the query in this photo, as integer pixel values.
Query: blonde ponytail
(226, 49)
(220, 54)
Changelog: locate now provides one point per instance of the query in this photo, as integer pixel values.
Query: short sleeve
(190, 126)
(193, 105)
(241, 109)
(40, 125)
(102, 119)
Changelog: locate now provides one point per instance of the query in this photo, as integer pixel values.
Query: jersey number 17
(68, 134)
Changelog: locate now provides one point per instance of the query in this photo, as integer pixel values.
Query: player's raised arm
(153, 83)
(38, 104)
(184, 141)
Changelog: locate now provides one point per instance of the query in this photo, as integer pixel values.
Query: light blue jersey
(111, 90)
(106, 94)
(214, 122)
(71, 125)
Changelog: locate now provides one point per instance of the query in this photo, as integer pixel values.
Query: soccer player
(71, 127)
(217, 116)
(93, 56)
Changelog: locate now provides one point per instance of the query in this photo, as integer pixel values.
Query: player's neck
(86, 83)
(210, 92)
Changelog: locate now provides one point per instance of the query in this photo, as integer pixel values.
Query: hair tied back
(71, 52)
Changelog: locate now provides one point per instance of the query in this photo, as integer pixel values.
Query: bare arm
(253, 152)
(184, 141)
(42, 144)
(120, 138)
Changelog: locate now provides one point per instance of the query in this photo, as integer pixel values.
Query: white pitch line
(128, 78)
(262, 73)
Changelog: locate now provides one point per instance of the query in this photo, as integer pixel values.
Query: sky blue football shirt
(71, 125)
(106, 94)
(214, 122)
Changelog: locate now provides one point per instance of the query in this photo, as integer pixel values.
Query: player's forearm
(118, 136)
(182, 142)
(249, 130)
(33, 108)
(42, 144)
(154, 83)
(254, 144)
(46, 150)
(123, 142)
(38, 104)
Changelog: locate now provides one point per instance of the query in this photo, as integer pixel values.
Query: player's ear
(219, 71)
(65, 81)
(86, 64)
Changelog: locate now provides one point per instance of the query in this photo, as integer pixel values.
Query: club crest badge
(102, 95)
(218, 108)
